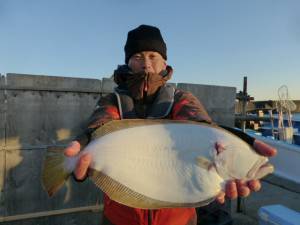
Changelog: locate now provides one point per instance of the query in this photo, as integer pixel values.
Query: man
(142, 93)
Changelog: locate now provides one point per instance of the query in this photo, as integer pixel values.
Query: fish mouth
(260, 169)
(264, 170)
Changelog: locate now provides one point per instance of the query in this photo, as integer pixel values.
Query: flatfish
(155, 164)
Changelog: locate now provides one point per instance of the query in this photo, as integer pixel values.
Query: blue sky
(214, 42)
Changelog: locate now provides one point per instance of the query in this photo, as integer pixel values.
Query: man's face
(148, 62)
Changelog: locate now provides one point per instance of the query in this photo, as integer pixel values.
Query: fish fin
(126, 196)
(54, 174)
(204, 162)
(204, 203)
(115, 125)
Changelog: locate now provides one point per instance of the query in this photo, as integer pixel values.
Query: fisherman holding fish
(143, 93)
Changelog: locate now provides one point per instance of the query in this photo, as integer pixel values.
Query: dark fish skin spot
(219, 148)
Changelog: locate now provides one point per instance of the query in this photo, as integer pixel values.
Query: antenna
(285, 106)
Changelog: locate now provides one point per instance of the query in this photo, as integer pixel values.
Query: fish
(155, 163)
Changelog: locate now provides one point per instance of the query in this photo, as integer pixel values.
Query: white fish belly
(159, 161)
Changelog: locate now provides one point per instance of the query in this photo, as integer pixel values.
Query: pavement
(275, 190)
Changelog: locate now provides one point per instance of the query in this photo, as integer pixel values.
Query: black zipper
(149, 217)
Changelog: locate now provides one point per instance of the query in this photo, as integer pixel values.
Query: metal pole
(244, 103)
(241, 201)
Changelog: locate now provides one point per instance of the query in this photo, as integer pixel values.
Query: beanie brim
(145, 45)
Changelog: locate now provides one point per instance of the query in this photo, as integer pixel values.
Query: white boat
(287, 160)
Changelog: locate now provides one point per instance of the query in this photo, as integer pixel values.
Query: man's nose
(147, 63)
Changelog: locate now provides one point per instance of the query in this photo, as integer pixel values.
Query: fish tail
(54, 173)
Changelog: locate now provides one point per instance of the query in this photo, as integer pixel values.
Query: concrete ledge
(51, 83)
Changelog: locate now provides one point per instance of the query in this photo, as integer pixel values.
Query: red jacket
(185, 107)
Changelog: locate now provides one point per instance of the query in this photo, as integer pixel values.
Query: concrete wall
(41, 111)
(219, 101)
(36, 111)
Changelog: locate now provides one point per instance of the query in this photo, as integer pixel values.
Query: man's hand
(83, 163)
(240, 188)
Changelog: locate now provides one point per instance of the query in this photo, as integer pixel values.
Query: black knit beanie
(144, 38)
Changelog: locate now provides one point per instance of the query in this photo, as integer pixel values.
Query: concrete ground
(274, 191)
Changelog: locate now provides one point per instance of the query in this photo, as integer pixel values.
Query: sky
(213, 42)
